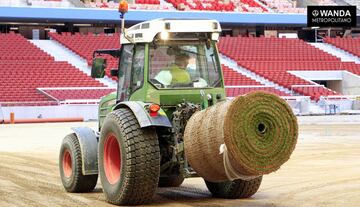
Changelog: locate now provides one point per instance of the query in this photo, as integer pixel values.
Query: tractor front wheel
(234, 189)
(70, 165)
(129, 159)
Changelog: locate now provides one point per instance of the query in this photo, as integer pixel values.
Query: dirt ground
(323, 171)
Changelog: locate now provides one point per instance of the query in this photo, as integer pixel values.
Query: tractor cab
(166, 62)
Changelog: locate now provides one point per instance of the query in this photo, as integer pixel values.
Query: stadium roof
(81, 15)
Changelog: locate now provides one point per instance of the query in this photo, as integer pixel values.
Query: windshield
(184, 64)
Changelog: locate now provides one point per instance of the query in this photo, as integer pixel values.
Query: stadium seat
(233, 78)
(351, 45)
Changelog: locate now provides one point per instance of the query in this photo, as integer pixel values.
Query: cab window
(184, 64)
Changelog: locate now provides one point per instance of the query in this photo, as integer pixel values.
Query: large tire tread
(77, 183)
(142, 159)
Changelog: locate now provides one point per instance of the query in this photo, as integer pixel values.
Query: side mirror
(98, 68)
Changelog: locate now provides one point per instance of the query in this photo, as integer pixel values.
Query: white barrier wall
(300, 106)
(351, 84)
(87, 112)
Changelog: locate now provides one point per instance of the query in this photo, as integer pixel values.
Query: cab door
(131, 70)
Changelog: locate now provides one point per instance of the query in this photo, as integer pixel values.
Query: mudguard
(144, 119)
(88, 140)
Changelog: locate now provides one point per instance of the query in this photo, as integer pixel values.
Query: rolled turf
(259, 131)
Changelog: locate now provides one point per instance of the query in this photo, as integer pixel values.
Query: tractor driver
(176, 73)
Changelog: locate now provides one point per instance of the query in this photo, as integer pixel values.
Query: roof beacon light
(123, 7)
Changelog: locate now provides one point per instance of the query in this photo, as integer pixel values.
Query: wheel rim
(67, 164)
(112, 159)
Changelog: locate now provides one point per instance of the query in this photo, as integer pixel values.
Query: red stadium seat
(351, 45)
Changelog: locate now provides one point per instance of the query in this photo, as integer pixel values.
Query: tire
(234, 189)
(171, 181)
(129, 159)
(70, 165)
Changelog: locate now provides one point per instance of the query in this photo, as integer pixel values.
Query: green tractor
(140, 145)
(168, 70)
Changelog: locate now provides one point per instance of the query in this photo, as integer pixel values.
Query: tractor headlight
(215, 36)
(164, 35)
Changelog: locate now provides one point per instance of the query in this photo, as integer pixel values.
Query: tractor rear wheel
(129, 159)
(70, 165)
(171, 181)
(234, 189)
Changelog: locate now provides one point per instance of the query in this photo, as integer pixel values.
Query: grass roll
(245, 137)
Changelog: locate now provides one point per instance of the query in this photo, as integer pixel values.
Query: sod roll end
(242, 138)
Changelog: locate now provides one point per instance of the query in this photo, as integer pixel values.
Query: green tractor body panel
(167, 99)
(106, 106)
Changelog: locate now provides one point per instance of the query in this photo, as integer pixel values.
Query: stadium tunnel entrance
(340, 81)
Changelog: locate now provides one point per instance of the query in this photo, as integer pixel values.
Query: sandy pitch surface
(323, 171)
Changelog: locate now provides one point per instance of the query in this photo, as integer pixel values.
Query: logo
(331, 16)
(315, 13)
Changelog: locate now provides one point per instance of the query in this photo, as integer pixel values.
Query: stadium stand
(351, 45)
(210, 5)
(272, 58)
(37, 3)
(289, 6)
(233, 78)
(233, 92)
(50, 3)
(218, 5)
(249, 6)
(238, 84)
(24, 68)
(186, 5)
(136, 5)
(353, 2)
(283, 6)
(147, 2)
(278, 72)
(85, 44)
(147, 7)
(322, 2)
(254, 6)
(271, 49)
